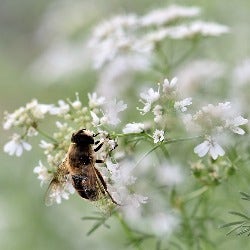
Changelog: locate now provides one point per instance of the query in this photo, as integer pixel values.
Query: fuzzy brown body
(79, 165)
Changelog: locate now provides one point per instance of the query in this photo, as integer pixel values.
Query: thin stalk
(128, 230)
(47, 136)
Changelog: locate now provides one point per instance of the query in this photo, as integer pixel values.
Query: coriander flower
(95, 101)
(211, 146)
(169, 86)
(60, 192)
(158, 113)
(62, 109)
(158, 136)
(164, 224)
(133, 128)
(148, 99)
(234, 123)
(165, 15)
(43, 174)
(16, 146)
(182, 105)
(112, 110)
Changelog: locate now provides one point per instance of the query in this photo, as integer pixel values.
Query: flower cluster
(133, 34)
(211, 122)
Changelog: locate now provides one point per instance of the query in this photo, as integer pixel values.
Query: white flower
(164, 224)
(60, 192)
(211, 146)
(168, 86)
(135, 200)
(148, 99)
(165, 15)
(182, 105)
(95, 101)
(121, 174)
(158, 136)
(233, 124)
(158, 113)
(43, 174)
(241, 74)
(151, 96)
(112, 110)
(169, 175)
(95, 118)
(16, 146)
(133, 128)
(62, 109)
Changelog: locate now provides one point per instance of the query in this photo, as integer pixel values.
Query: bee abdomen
(79, 183)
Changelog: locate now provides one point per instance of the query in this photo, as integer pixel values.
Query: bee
(78, 167)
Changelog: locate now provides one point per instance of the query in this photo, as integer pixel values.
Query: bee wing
(105, 201)
(57, 184)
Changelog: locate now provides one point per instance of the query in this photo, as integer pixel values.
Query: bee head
(82, 137)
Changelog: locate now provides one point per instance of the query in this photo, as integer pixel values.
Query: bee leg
(98, 147)
(94, 135)
(99, 161)
(96, 142)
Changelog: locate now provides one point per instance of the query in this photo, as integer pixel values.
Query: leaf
(245, 196)
(231, 224)
(240, 215)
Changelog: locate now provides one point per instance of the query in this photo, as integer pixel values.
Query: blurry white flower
(151, 96)
(32, 132)
(111, 111)
(95, 101)
(46, 146)
(198, 73)
(95, 119)
(121, 174)
(241, 73)
(211, 146)
(169, 175)
(62, 108)
(16, 146)
(148, 99)
(164, 224)
(234, 123)
(158, 136)
(133, 128)
(196, 28)
(43, 174)
(182, 105)
(169, 86)
(134, 201)
(165, 15)
(111, 38)
(26, 116)
(60, 192)
(122, 69)
(61, 59)
(158, 113)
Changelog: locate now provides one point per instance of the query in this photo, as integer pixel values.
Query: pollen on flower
(158, 136)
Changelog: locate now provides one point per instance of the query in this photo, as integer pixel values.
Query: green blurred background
(25, 222)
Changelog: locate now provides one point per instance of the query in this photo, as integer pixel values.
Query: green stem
(47, 136)
(195, 194)
(128, 230)
(182, 139)
(145, 155)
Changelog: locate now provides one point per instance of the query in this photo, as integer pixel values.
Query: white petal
(216, 150)
(202, 148)
(238, 130)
